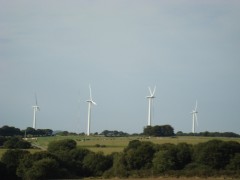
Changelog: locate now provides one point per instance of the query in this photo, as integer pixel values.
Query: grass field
(116, 144)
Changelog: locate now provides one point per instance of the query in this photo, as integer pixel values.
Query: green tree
(11, 159)
(10, 131)
(234, 163)
(119, 168)
(45, 168)
(165, 160)
(62, 145)
(97, 163)
(75, 164)
(165, 130)
(215, 153)
(16, 143)
(138, 155)
(79, 154)
(2, 140)
(134, 144)
(3, 171)
(28, 162)
(172, 157)
(184, 155)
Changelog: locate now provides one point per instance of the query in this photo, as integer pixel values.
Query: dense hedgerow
(139, 159)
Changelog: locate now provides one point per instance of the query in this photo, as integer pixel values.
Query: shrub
(62, 145)
(16, 143)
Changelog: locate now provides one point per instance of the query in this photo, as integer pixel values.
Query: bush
(62, 145)
(165, 160)
(97, 163)
(46, 168)
(3, 170)
(2, 140)
(215, 153)
(43, 160)
(139, 155)
(11, 158)
(234, 162)
(118, 168)
(16, 143)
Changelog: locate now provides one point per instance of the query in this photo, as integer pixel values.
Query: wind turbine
(150, 102)
(194, 118)
(90, 103)
(35, 109)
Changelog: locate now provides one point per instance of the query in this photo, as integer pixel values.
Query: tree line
(14, 143)
(209, 134)
(29, 132)
(156, 131)
(64, 160)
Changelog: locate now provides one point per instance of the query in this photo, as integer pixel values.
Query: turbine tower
(150, 102)
(194, 118)
(90, 103)
(35, 109)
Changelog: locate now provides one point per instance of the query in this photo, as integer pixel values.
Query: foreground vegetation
(140, 158)
(110, 156)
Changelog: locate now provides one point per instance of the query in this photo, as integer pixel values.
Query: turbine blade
(94, 103)
(35, 98)
(196, 106)
(90, 90)
(154, 91)
(150, 91)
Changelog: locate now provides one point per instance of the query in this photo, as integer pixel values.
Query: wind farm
(91, 103)
(144, 64)
(154, 141)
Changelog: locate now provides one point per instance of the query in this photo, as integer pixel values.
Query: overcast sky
(189, 49)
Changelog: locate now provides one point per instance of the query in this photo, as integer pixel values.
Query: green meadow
(108, 145)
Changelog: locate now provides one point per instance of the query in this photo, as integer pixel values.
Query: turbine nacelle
(150, 96)
(92, 102)
(36, 108)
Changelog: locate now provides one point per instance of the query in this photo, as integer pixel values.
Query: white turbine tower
(90, 102)
(35, 109)
(194, 118)
(150, 102)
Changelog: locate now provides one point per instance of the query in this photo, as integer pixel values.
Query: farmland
(116, 144)
(109, 145)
